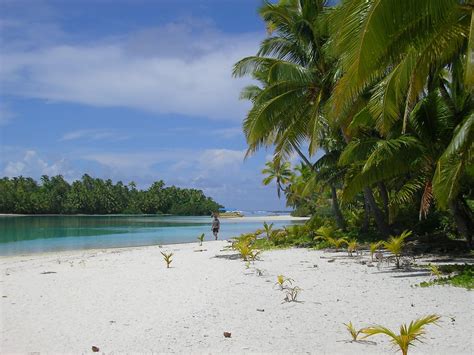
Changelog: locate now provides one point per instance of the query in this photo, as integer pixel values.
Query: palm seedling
(327, 233)
(396, 244)
(353, 331)
(408, 334)
(282, 281)
(201, 239)
(337, 242)
(374, 247)
(435, 271)
(268, 229)
(167, 258)
(352, 246)
(244, 246)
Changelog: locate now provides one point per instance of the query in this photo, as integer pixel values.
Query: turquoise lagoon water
(37, 234)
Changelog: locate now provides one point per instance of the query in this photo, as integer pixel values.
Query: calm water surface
(37, 234)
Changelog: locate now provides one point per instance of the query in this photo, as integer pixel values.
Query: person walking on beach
(216, 224)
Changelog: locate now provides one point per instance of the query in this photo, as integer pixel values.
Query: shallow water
(37, 234)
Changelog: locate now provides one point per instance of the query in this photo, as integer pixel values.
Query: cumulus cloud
(33, 165)
(180, 68)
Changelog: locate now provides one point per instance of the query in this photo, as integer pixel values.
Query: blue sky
(131, 90)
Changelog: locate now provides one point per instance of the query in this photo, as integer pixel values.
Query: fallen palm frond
(292, 294)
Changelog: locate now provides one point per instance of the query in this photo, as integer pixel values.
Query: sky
(132, 90)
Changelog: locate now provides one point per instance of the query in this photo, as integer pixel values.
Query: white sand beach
(125, 300)
(267, 218)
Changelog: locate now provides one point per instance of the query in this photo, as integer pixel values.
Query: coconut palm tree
(280, 172)
(400, 60)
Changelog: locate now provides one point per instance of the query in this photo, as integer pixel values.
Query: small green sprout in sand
(201, 239)
(408, 334)
(374, 247)
(353, 331)
(167, 258)
(352, 247)
(283, 281)
(396, 244)
(435, 271)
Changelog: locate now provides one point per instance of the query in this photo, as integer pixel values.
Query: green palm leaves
(280, 172)
(396, 244)
(410, 38)
(408, 334)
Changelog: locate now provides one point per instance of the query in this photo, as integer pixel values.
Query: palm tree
(295, 76)
(395, 45)
(279, 172)
(402, 60)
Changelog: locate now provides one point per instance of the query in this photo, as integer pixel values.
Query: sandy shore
(125, 300)
(267, 218)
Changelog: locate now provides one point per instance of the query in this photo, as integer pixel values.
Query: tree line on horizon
(384, 90)
(54, 195)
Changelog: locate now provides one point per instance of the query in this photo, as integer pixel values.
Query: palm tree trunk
(365, 224)
(336, 210)
(463, 218)
(377, 213)
(302, 156)
(384, 196)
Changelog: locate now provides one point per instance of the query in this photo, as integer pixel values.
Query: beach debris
(48, 272)
(227, 334)
(95, 349)
(200, 250)
(260, 310)
(331, 260)
(259, 272)
(292, 294)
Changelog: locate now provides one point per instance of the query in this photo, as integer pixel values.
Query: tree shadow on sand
(228, 256)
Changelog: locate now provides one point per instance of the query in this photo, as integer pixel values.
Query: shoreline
(277, 218)
(126, 300)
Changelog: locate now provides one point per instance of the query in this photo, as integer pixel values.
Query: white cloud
(180, 68)
(221, 159)
(33, 165)
(93, 134)
(198, 162)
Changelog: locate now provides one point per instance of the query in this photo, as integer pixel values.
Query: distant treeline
(54, 195)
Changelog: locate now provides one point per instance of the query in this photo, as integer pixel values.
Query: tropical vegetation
(54, 195)
(408, 335)
(375, 100)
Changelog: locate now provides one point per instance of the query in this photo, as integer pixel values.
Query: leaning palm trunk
(382, 226)
(336, 210)
(463, 218)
